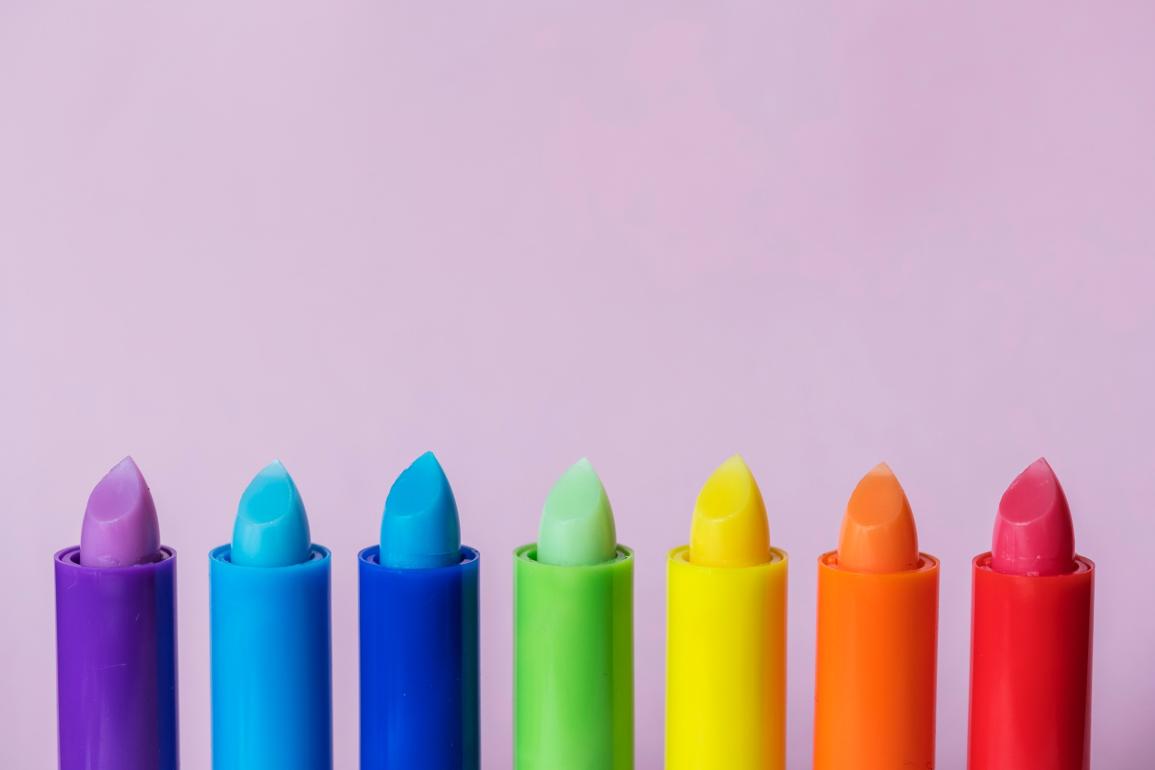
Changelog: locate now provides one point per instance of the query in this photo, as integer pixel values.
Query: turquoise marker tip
(272, 529)
(420, 527)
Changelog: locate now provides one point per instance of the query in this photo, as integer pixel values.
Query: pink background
(342, 232)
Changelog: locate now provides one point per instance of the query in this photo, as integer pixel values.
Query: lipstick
(116, 634)
(1034, 534)
(1032, 622)
(726, 655)
(120, 527)
(419, 631)
(874, 706)
(573, 634)
(270, 639)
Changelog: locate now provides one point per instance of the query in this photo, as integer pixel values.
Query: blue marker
(419, 673)
(271, 659)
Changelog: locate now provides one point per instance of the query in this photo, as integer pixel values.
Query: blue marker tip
(271, 529)
(420, 526)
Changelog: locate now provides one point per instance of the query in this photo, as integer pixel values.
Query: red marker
(1030, 705)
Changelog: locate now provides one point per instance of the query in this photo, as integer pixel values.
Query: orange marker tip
(878, 530)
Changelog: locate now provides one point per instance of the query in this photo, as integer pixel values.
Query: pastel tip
(878, 530)
(120, 526)
(271, 528)
(577, 521)
(730, 527)
(420, 527)
(1034, 533)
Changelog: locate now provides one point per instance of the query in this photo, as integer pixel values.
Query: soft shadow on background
(341, 233)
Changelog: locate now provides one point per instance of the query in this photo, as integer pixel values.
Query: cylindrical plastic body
(573, 663)
(419, 675)
(116, 664)
(271, 665)
(1030, 705)
(726, 665)
(874, 700)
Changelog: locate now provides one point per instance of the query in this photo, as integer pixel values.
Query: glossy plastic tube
(1031, 669)
(877, 636)
(419, 677)
(726, 633)
(116, 664)
(1030, 706)
(876, 667)
(726, 665)
(271, 665)
(573, 663)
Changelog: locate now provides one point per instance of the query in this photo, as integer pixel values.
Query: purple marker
(116, 634)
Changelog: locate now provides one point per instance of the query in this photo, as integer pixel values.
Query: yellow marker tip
(730, 527)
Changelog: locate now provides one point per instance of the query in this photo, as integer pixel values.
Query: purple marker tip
(120, 526)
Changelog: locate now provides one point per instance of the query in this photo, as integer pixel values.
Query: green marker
(573, 643)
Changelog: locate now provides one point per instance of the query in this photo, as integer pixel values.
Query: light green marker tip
(577, 523)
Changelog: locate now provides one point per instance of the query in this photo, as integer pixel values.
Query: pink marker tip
(1034, 534)
(120, 527)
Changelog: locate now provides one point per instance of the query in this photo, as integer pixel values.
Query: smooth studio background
(343, 232)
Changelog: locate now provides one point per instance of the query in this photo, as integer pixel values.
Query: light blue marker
(271, 528)
(271, 649)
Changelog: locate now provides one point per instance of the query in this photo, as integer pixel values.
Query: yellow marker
(726, 661)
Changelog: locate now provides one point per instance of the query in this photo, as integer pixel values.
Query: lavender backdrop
(341, 232)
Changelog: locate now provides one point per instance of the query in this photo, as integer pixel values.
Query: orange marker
(877, 637)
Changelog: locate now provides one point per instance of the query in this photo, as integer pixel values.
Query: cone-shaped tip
(1034, 533)
(420, 527)
(730, 528)
(577, 522)
(271, 528)
(120, 527)
(878, 530)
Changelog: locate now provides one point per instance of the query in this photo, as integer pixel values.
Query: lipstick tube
(116, 664)
(573, 663)
(419, 643)
(1031, 669)
(419, 667)
(271, 665)
(726, 665)
(875, 670)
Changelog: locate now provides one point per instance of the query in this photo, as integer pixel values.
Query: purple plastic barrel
(116, 664)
